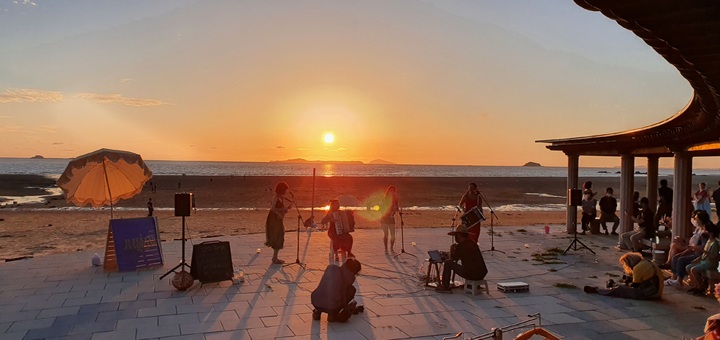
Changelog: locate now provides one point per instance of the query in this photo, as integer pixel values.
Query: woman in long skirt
(274, 227)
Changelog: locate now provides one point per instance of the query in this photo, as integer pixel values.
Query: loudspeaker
(575, 197)
(183, 204)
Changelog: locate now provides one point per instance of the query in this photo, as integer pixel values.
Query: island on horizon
(532, 164)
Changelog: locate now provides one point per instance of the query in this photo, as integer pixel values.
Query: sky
(407, 81)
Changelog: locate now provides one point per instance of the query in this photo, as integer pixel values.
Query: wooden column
(652, 181)
(682, 188)
(572, 182)
(627, 187)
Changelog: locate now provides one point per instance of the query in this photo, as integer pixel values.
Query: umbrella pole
(107, 183)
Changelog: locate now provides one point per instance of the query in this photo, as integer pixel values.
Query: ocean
(53, 167)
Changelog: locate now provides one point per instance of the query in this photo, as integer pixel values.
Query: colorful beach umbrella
(103, 177)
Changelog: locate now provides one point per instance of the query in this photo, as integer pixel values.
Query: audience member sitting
(712, 328)
(679, 262)
(707, 261)
(631, 240)
(643, 280)
(679, 244)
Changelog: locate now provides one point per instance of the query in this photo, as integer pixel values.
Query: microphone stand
(402, 235)
(492, 229)
(299, 222)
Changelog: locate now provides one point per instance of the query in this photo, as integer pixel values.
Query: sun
(328, 137)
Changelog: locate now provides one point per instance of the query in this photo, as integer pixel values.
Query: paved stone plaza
(64, 297)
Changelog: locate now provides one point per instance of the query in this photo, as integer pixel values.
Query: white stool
(473, 286)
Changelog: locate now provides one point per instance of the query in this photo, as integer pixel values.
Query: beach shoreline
(236, 205)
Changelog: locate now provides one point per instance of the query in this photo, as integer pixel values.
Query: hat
(461, 229)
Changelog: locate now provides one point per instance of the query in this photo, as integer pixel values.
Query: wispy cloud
(279, 147)
(46, 128)
(30, 96)
(10, 128)
(58, 143)
(126, 80)
(25, 2)
(113, 98)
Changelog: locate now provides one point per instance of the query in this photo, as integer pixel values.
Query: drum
(472, 217)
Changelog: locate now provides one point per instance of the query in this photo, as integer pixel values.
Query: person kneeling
(335, 293)
(643, 280)
(473, 265)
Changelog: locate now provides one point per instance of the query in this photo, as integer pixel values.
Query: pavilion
(687, 34)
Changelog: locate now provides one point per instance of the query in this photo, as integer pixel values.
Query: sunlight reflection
(328, 170)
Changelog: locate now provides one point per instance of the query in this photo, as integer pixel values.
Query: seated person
(342, 241)
(643, 280)
(712, 328)
(608, 206)
(679, 261)
(707, 261)
(631, 240)
(473, 265)
(335, 293)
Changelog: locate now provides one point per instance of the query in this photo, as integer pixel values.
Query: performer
(473, 265)
(388, 208)
(342, 241)
(274, 227)
(470, 200)
(335, 293)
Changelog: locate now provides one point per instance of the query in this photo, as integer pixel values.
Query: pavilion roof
(687, 34)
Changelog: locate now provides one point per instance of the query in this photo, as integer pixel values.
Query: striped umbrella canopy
(103, 177)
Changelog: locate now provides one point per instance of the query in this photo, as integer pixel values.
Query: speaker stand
(575, 242)
(182, 263)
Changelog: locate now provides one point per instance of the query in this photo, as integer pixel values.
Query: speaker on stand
(183, 207)
(575, 200)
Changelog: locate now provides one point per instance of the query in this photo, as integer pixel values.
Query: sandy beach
(237, 206)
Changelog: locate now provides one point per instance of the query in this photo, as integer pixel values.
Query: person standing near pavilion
(665, 201)
(702, 199)
(608, 206)
(716, 198)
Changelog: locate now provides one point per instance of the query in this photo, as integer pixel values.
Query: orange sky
(416, 82)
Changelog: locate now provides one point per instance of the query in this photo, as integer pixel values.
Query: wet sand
(237, 206)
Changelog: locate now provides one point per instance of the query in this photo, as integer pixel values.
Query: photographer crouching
(643, 280)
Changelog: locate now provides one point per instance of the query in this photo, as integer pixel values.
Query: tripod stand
(182, 263)
(299, 222)
(492, 227)
(402, 235)
(575, 241)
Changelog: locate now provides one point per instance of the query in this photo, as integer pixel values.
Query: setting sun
(328, 137)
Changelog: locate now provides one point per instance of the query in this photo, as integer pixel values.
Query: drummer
(472, 199)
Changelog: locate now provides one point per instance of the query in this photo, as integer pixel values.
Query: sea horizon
(53, 168)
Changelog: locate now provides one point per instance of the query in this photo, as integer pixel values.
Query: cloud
(120, 99)
(10, 128)
(30, 96)
(58, 143)
(25, 2)
(47, 128)
(126, 80)
(340, 149)
(279, 147)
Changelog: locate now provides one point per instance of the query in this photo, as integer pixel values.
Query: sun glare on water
(328, 137)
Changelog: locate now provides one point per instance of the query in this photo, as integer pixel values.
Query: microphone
(291, 194)
(458, 209)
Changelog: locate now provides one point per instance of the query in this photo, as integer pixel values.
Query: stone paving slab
(62, 296)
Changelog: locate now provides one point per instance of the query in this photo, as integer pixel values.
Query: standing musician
(274, 227)
(470, 200)
(389, 207)
(472, 265)
(340, 241)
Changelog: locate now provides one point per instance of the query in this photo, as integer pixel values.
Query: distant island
(37, 157)
(305, 161)
(532, 164)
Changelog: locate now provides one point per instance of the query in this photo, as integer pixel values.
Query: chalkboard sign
(212, 261)
(136, 243)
